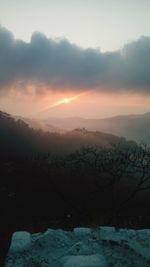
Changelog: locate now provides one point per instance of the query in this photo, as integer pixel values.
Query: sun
(66, 100)
(63, 101)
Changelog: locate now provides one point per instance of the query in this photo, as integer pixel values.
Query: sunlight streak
(65, 100)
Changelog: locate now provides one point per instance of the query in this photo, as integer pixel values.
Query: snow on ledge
(82, 247)
(20, 241)
(85, 261)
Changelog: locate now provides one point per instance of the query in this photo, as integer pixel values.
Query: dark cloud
(60, 64)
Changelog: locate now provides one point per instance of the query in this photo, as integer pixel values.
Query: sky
(106, 24)
(97, 51)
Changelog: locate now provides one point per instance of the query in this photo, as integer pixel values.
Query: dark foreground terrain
(80, 178)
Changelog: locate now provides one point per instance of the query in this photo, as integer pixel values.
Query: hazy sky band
(59, 64)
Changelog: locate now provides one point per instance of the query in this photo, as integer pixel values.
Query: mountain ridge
(132, 127)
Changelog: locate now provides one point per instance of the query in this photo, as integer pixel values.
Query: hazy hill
(40, 124)
(16, 138)
(132, 127)
(136, 127)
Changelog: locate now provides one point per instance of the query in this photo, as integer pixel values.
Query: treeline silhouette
(75, 184)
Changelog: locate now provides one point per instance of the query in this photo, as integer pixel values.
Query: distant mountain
(135, 127)
(132, 127)
(39, 124)
(17, 138)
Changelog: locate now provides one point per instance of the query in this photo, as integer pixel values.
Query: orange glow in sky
(65, 100)
(87, 104)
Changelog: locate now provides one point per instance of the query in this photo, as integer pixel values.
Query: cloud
(58, 64)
